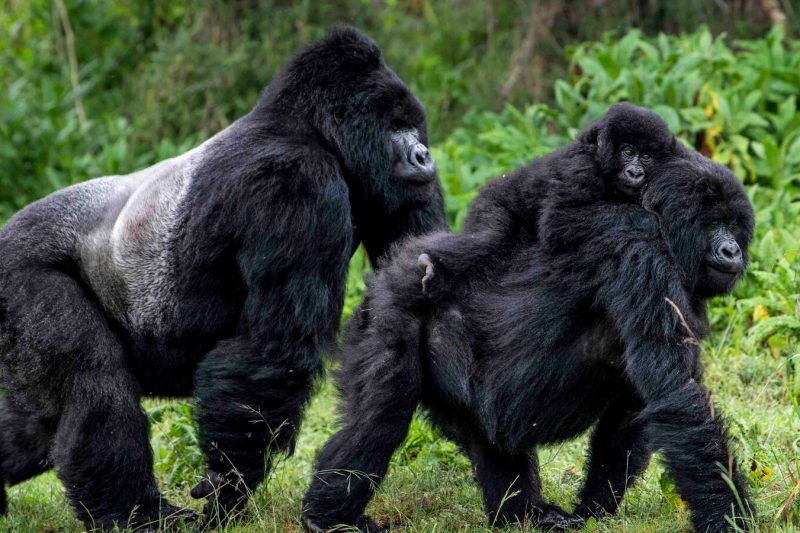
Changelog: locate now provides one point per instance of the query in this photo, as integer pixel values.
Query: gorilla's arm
(251, 389)
(505, 208)
(383, 373)
(638, 280)
(559, 198)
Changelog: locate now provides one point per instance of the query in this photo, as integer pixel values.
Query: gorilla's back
(114, 230)
(127, 259)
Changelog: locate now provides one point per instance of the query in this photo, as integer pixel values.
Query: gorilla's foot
(363, 523)
(226, 499)
(553, 517)
(168, 518)
(436, 278)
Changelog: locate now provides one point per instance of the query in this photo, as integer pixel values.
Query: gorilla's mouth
(715, 280)
(725, 270)
(418, 180)
(723, 274)
(627, 189)
(412, 176)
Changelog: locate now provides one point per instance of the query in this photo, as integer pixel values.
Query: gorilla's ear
(591, 139)
(604, 140)
(597, 139)
(604, 153)
(589, 135)
(598, 133)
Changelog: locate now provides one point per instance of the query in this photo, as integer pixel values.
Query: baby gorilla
(538, 351)
(557, 199)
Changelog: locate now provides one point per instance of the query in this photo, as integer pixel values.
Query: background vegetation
(96, 87)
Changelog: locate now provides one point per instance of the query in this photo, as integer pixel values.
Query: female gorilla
(602, 334)
(219, 274)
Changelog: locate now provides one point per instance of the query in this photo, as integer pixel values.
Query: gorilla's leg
(380, 382)
(66, 362)
(512, 490)
(24, 447)
(102, 453)
(618, 454)
(681, 421)
(450, 356)
(249, 408)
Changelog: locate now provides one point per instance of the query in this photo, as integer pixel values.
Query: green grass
(430, 487)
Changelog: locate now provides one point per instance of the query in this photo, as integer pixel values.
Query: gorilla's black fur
(218, 274)
(537, 352)
(559, 198)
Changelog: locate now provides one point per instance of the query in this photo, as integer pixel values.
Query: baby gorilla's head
(627, 143)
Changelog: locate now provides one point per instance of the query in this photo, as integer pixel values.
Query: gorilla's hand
(426, 265)
(226, 498)
(434, 282)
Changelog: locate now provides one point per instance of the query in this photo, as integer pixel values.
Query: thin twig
(692, 339)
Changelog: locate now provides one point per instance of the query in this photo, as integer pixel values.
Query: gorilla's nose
(420, 159)
(635, 175)
(729, 256)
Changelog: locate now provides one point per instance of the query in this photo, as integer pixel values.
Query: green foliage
(158, 77)
(177, 454)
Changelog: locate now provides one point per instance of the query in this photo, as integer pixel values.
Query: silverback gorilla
(604, 333)
(218, 274)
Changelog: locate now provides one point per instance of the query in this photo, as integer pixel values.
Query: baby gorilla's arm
(455, 256)
(504, 209)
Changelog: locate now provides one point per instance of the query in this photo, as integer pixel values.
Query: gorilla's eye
(646, 157)
(627, 151)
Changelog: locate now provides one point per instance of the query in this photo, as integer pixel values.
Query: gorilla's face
(707, 220)
(633, 162)
(413, 162)
(402, 120)
(723, 262)
(363, 113)
(385, 143)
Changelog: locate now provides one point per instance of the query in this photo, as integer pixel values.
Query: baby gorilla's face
(633, 163)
